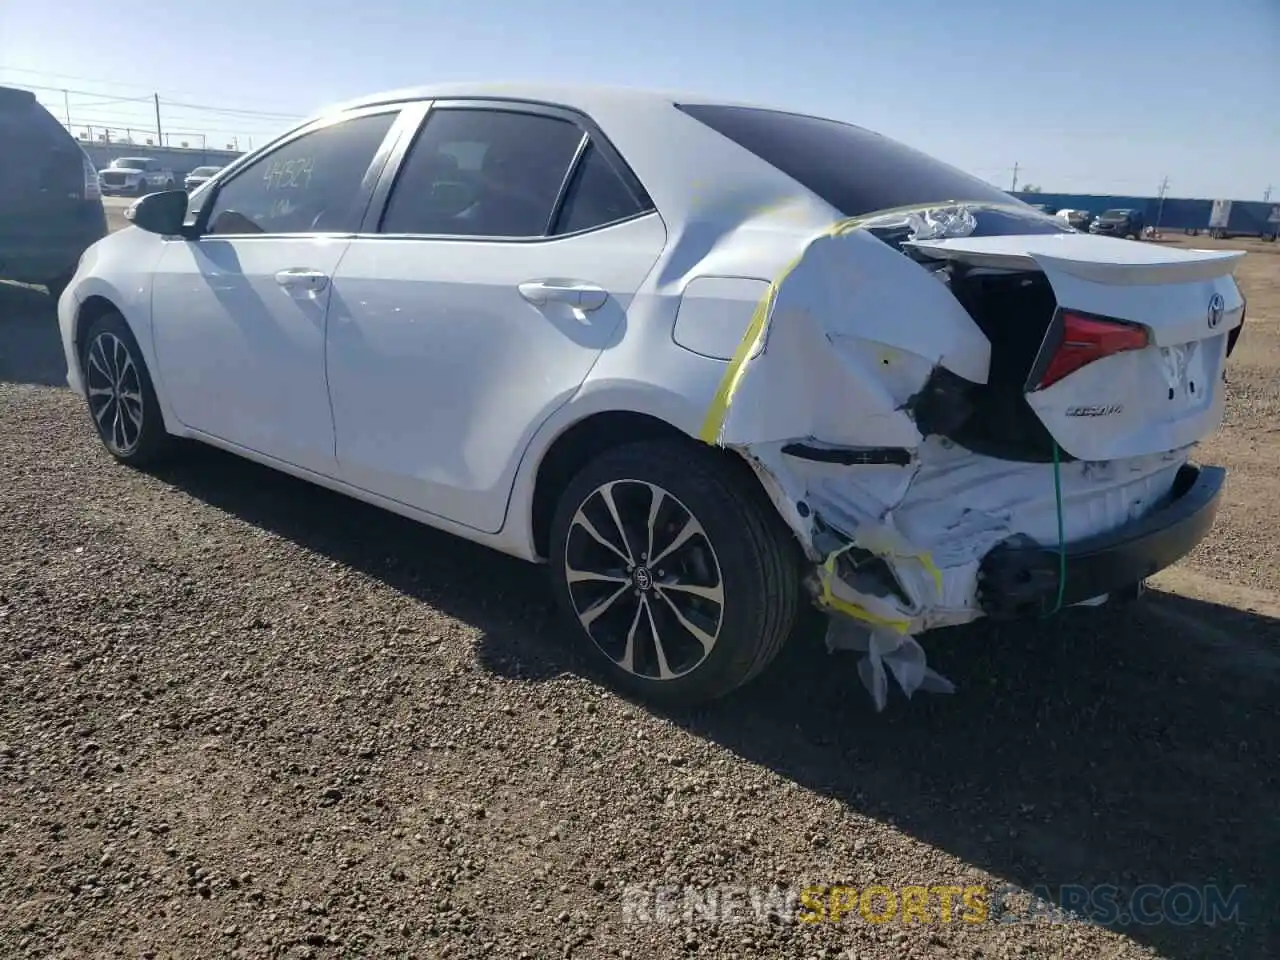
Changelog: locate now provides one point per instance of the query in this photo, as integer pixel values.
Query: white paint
(440, 371)
(244, 356)
(715, 313)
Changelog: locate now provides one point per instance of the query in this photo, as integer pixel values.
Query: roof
(585, 97)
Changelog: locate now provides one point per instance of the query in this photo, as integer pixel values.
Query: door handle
(300, 278)
(575, 293)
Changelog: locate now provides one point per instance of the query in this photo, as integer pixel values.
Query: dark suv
(50, 204)
(1119, 223)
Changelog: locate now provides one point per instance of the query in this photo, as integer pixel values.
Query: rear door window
(309, 185)
(482, 172)
(597, 195)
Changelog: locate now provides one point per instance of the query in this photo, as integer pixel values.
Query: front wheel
(675, 570)
(122, 401)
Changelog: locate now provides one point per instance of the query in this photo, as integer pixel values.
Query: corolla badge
(1216, 306)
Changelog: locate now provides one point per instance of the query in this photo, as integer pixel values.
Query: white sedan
(706, 360)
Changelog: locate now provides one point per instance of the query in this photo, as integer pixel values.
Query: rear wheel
(675, 570)
(122, 401)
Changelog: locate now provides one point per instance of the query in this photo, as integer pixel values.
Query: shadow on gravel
(30, 348)
(1129, 746)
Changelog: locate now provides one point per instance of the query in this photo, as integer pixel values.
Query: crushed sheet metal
(927, 221)
(931, 519)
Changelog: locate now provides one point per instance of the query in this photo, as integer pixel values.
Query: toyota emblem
(1216, 306)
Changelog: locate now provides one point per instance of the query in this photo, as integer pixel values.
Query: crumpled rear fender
(839, 344)
(823, 399)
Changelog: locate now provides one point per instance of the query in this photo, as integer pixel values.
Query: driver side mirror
(161, 213)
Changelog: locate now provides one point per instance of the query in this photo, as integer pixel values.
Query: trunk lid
(1162, 396)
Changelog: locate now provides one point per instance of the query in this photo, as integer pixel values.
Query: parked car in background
(1076, 219)
(135, 176)
(527, 315)
(198, 177)
(1124, 223)
(50, 206)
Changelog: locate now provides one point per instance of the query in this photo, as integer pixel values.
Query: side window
(598, 195)
(308, 185)
(482, 173)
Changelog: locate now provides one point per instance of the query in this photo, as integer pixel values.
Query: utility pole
(66, 102)
(159, 134)
(1164, 185)
(1014, 188)
(1266, 194)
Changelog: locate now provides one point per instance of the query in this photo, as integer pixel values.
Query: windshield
(204, 171)
(1116, 214)
(129, 163)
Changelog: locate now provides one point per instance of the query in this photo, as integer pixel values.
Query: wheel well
(577, 447)
(92, 308)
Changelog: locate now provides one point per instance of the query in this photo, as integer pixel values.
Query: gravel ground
(247, 717)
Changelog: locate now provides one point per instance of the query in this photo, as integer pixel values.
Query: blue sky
(1084, 95)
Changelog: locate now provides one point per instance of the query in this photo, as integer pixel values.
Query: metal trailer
(1243, 218)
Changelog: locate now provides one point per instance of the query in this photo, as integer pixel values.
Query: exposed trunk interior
(1014, 309)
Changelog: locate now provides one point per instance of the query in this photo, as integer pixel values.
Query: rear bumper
(1021, 579)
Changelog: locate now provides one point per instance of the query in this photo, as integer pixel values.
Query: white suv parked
(135, 175)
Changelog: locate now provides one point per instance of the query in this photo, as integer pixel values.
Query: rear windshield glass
(35, 151)
(858, 171)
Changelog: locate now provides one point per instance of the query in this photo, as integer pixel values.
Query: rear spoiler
(1094, 259)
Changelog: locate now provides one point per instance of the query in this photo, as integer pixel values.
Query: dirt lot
(245, 717)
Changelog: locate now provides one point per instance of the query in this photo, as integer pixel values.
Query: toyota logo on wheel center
(642, 578)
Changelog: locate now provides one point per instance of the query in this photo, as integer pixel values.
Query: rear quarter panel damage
(840, 345)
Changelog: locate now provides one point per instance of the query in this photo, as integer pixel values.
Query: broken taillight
(1086, 339)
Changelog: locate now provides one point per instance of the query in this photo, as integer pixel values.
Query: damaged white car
(707, 361)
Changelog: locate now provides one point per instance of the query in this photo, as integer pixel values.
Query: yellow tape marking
(718, 412)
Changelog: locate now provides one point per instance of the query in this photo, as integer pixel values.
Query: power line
(228, 110)
(67, 76)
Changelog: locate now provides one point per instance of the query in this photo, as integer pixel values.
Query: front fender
(117, 269)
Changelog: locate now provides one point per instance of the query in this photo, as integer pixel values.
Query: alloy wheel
(644, 579)
(115, 393)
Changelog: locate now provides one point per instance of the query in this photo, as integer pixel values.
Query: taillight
(1086, 339)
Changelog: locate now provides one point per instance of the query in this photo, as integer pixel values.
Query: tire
(1131, 236)
(127, 417)
(739, 550)
(141, 189)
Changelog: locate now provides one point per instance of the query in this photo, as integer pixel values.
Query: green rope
(1062, 542)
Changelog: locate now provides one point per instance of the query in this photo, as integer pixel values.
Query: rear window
(36, 152)
(858, 171)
